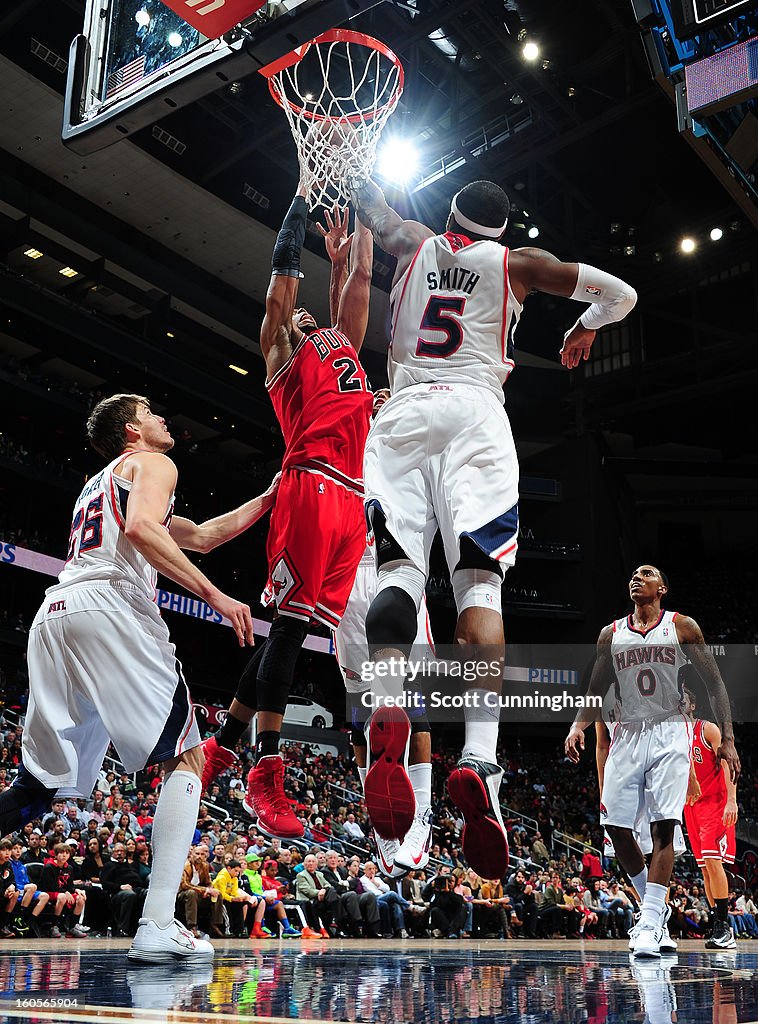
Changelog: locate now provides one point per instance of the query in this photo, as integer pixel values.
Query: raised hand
(336, 238)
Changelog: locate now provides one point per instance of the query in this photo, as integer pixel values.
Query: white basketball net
(336, 130)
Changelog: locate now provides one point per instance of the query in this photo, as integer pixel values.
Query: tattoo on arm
(705, 664)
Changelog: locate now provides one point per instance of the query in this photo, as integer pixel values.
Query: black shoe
(722, 937)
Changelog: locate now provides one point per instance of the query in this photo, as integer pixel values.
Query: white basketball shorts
(101, 669)
(442, 455)
(350, 636)
(646, 773)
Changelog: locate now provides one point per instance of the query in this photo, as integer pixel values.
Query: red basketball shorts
(315, 541)
(709, 836)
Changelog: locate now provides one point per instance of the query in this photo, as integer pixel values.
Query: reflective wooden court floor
(401, 981)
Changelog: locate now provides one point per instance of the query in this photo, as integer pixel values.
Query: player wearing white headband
(441, 456)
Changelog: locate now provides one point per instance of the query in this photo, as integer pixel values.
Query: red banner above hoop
(214, 17)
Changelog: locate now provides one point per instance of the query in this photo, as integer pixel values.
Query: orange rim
(334, 35)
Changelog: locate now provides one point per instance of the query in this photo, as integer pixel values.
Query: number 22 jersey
(323, 401)
(453, 316)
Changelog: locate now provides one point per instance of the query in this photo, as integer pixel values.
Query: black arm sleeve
(289, 241)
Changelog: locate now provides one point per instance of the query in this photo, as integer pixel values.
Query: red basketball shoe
(217, 760)
(265, 799)
(473, 787)
(389, 795)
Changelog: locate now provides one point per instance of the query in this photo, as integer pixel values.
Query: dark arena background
(135, 257)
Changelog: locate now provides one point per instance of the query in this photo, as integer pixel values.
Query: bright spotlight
(142, 18)
(398, 161)
(530, 51)
(687, 245)
(716, 234)
(174, 39)
(533, 231)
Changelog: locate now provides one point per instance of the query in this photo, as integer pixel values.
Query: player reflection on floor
(419, 984)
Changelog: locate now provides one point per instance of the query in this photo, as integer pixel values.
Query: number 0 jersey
(453, 316)
(646, 667)
(97, 549)
(323, 402)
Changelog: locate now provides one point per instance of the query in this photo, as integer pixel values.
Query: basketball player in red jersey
(441, 455)
(711, 821)
(317, 534)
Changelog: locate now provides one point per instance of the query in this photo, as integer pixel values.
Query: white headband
(471, 225)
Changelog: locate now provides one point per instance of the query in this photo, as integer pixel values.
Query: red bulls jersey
(323, 401)
(707, 766)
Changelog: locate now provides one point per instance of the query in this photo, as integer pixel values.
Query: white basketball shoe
(154, 945)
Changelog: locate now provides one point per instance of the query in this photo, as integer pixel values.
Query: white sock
(640, 883)
(362, 773)
(173, 828)
(482, 725)
(421, 780)
(653, 904)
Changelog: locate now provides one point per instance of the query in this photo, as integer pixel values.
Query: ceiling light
(142, 18)
(630, 250)
(687, 245)
(716, 234)
(68, 272)
(398, 161)
(238, 369)
(530, 51)
(169, 334)
(533, 231)
(174, 39)
(33, 254)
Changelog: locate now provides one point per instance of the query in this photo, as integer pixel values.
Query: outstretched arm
(153, 480)
(277, 330)
(352, 315)
(204, 537)
(337, 242)
(610, 298)
(689, 633)
(602, 676)
(396, 236)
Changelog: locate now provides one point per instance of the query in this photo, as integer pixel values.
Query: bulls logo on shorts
(282, 580)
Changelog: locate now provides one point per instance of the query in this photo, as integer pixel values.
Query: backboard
(137, 60)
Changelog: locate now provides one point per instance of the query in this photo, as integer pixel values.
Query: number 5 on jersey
(440, 315)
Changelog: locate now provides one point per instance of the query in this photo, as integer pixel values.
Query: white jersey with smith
(453, 316)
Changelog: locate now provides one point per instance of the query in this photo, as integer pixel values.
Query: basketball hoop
(337, 92)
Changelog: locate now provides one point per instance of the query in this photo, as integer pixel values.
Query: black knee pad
(472, 557)
(277, 667)
(419, 721)
(391, 621)
(358, 738)
(359, 715)
(247, 688)
(386, 547)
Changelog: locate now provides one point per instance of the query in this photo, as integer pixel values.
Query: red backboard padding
(214, 17)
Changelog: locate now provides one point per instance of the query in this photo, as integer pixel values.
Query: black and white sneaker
(722, 936)
(668, 945)
(473, 787)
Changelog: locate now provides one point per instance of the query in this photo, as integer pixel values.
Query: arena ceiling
(173, 257)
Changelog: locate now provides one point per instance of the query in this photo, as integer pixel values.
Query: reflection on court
(401, 982)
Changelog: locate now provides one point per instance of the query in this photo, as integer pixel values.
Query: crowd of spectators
(84, 867)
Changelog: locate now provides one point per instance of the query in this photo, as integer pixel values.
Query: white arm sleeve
(611, 297)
